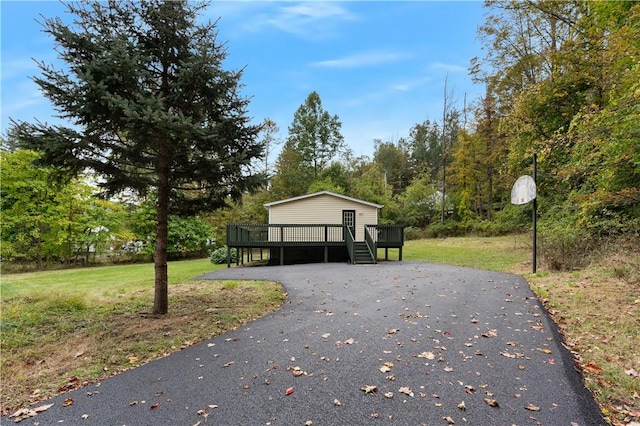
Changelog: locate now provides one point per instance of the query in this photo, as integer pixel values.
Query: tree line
(160, 131)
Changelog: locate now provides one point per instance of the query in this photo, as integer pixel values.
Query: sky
(379, 66)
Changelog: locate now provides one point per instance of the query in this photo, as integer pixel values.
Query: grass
(100, 316)
(598, 312)
(63, 329)
(496, 253)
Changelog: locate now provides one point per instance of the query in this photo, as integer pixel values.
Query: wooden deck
(325, 236)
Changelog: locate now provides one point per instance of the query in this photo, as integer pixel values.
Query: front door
(349, 220)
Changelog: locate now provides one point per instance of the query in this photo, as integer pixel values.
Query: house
(319, 227)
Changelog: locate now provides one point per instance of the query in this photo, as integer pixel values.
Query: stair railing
(348, 236)
(371, 244)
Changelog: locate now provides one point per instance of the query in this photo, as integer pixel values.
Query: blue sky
(380, 66)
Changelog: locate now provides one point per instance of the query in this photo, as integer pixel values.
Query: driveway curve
(403, 343)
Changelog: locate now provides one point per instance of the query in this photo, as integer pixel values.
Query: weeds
(48, 338)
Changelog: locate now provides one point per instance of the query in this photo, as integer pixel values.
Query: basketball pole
(535, 208)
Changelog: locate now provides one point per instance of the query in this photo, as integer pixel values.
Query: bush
(564, 246)
(449, 228)
(414, 233)
(219, 255)
(514, 218)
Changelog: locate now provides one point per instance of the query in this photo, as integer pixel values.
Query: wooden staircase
(361, 253)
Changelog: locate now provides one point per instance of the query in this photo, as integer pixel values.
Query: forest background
(562, 81)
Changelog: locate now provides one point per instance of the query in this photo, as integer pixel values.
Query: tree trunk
(161, 297)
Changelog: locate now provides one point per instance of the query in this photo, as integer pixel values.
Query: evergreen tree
(151, 109)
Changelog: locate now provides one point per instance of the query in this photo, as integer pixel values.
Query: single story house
(319, 227)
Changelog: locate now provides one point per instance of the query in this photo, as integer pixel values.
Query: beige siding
(323, 209)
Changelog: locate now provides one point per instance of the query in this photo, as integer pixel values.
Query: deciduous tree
(315, 134)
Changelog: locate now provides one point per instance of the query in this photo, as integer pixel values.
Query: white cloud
(12, 68)
(361, 59)
(448, 67)
(310, 20)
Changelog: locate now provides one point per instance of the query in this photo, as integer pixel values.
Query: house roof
(315, 194)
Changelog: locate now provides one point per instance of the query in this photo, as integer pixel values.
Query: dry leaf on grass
(592, 367)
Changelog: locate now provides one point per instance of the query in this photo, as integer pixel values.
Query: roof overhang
(316, 194)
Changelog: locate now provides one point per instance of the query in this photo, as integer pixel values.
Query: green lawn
(96, 282)
(496, 253)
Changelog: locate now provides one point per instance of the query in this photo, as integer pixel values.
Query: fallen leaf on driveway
(388, 394)
(405, 390)
(427, 355)
(462, 406)
(156, 405)
(25, 413)
(67, 402)
(369, 389)
(491, 402)
(289, 391)
(392, 331)
(449, 420)
(532, 407)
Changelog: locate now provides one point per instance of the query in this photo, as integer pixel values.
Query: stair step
(361, 253)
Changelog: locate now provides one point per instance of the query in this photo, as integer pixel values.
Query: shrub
(449, 228)
(563, 245)
(414, 233)
(219, 255)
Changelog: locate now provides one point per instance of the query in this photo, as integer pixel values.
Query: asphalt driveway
(395, 343)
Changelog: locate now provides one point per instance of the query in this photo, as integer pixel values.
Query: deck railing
(391, 236)
(279, 236)
(263, 235)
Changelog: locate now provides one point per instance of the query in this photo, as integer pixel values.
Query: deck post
(228, 257)
(400, 253)
(281, 254)
(326, 253)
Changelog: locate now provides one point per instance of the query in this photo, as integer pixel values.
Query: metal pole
(535, 208)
